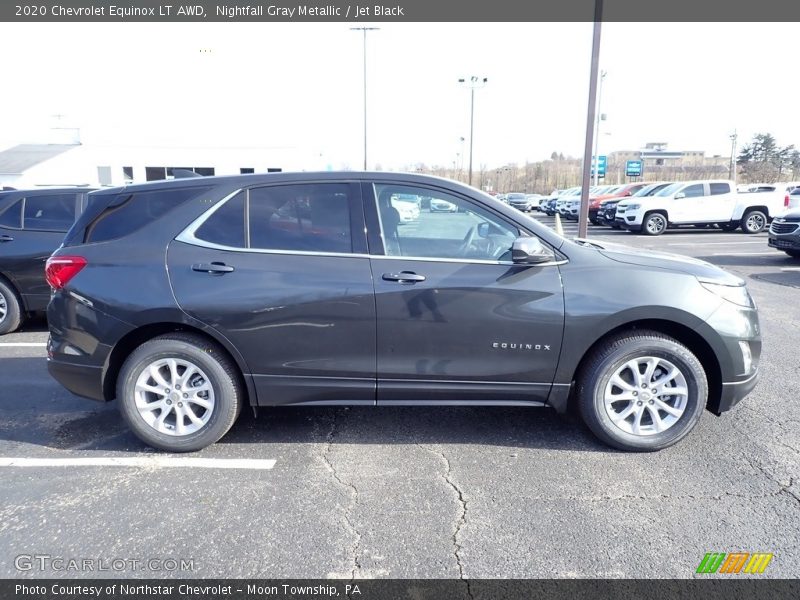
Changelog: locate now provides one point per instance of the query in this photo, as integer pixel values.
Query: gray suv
(784, 233)
(188, 299)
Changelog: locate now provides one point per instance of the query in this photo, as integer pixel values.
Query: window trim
(188, 236)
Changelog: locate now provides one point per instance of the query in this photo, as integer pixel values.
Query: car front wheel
(179, 392)
(654, 224)
(642, 391)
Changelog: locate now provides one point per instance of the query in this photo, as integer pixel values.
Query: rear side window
(311, 218)
(720, 188)
(226, 226)
(300, 217)
(128, 213)
(53, 212)
(12, 216)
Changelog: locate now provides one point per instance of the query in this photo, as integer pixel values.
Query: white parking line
(23, 344)
(142, 462)
(790, 268)
(743, 254)
(731, 243)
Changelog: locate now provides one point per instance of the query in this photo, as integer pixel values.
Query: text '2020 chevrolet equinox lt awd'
(188, 299)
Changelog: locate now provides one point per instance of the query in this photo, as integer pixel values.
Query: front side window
(444, 226)
(693, 191)
(54, 212)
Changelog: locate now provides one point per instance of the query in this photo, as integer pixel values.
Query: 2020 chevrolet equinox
(188, 299)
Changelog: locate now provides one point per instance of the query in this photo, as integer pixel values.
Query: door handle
(214, 267)
(6, 238)
(403, 277)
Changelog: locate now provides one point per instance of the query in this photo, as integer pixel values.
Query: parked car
(792, 199)
(519, 201)
(784, 232)
(774, 197)
(534, 199)
(439, 205)
(699, 203)
(407, 208)
(32, 225)
(300, 289)
(619, 191)
(607, 211)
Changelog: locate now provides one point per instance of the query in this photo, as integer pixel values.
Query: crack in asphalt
(354, 495)
(462, 517)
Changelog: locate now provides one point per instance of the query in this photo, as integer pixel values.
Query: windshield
(649, 190)
(669, 190)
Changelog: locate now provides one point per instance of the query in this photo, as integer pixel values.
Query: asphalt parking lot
(409, 492)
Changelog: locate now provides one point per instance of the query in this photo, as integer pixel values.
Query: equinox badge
(515, 346)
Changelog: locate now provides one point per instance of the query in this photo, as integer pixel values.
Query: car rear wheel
(754, 221)
(179, 392)
(10, 311)
(642, 391)
(654, 224)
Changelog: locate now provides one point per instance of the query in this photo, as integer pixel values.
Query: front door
(456, 320)
(281, 271)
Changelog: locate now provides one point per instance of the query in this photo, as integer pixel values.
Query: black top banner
(398, 11)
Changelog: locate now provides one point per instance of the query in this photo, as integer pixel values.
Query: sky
(300, 86)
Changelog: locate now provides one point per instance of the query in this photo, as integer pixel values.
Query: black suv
(32, 225)
(188, 299)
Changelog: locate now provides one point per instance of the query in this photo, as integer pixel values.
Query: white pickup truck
(699, 203)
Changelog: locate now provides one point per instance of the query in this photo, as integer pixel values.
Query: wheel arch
(681, 332)
(136, 337)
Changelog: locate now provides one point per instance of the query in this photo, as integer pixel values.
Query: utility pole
(583, 213)
(365, 30)
(597, 127)
(732, 168)
(473, 82)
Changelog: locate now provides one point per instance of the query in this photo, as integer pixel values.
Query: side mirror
(680, 195)
(483, 230)
(629, 193)
(530, 251)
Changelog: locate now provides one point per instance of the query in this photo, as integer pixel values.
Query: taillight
(60, 269)
(786, 201)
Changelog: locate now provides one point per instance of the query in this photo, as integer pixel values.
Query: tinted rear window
(12, 216)
(129, 212)
(720, 188)
(52, 212)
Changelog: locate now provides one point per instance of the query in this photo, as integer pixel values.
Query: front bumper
(733, 392)
(784, 242)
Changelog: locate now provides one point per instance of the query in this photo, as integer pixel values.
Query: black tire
(754, 221)
(11, 316)
(793, 253)
(654, 224)
(611, 356)
(221, 372)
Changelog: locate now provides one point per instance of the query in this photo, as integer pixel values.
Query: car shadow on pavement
(38, 412)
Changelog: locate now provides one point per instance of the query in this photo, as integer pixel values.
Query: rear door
(30, 230)
(720, 201)
(282, 272)
(456, 319)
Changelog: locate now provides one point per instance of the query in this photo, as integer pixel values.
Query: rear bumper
(82, 380)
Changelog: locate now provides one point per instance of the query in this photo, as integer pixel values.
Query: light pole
(473, 82)
(732, 168)
(365, 30)
(600, 116)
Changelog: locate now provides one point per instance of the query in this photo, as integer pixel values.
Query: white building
(73, 163)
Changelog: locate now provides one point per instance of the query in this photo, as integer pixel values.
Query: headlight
(634, 206)
(737, 294)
